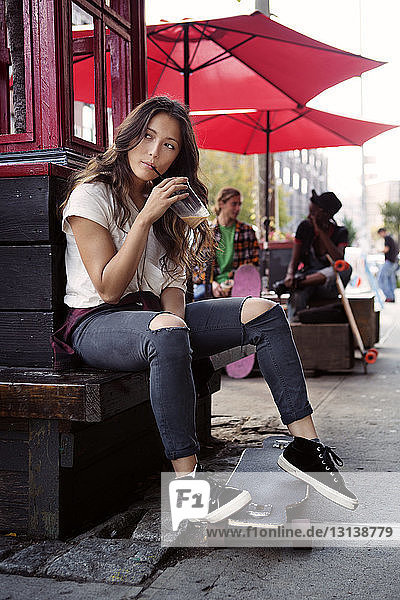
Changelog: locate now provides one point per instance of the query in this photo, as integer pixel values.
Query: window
(89, 71)
(121, 7)
(277, 169)
(286, 175)
(296, 181)
(304, 157)
(16, 116)
(101, 74)
(117, 77)
(83, 74)
(304, 185)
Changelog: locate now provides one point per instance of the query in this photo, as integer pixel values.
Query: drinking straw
(154, 169)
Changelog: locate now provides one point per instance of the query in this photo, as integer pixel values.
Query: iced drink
(191, 209)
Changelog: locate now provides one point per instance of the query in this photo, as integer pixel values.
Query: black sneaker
(224, 500)
(314, 463)
(280, 288)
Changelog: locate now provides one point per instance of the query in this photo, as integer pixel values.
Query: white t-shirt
(94, 201)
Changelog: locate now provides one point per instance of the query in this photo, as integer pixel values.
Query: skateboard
(246, 282)
(278, 498)
(369, 355)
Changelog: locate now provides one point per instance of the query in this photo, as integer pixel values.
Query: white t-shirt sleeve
(178, 281)
(89, 200)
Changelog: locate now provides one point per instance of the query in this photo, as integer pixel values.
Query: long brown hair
(184, 247)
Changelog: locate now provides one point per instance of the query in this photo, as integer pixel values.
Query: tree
(284, 217)
(348, 223)
(391, 217)
(224, 169)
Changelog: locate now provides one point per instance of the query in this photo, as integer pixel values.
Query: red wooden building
(70, 71)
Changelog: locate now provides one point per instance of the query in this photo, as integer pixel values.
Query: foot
(314, 463)
(224, 500)
(280, 288)
(389, 300)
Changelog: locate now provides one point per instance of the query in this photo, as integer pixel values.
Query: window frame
(48, 73)
(29, 134)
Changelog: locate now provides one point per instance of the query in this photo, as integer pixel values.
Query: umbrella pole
(186, 62)
(267, 220)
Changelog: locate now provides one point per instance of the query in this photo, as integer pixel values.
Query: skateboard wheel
(371, 356)
(341, 265)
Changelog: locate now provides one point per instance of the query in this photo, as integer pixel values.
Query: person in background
(309, 273)
(236, 245)
(387, 275)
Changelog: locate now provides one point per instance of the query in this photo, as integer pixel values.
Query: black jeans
(123, 341)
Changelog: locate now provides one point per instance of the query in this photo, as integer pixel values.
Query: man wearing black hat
(309, 273)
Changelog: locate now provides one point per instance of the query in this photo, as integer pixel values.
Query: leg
(217, 325)
(299, 300)
(393, 280)
(133, 341)
(384, 279)
(387, 280)
(214, 323)
(252, 309)
(182, 466)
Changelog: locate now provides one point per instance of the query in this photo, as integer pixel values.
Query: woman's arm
(111, 271)
(173, 300)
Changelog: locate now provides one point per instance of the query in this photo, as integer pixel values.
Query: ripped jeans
(122, 341)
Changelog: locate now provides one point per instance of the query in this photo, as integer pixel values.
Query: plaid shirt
(245, 250)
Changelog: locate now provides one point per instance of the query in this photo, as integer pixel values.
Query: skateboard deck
(369, 355)
(277, 497)
(247, 282)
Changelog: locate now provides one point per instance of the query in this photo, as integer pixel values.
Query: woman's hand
(160, 198)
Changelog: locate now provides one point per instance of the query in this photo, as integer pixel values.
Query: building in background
(296, 173)
(376, 195)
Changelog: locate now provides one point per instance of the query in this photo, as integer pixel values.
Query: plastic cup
(227, 285)
(191, 209)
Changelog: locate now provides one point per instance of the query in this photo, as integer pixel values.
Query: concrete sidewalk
(358, 414)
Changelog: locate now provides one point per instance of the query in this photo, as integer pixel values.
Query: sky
(335, 22)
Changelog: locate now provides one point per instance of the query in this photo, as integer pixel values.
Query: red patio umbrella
(265, 131)
(241, 62)
(281, 130)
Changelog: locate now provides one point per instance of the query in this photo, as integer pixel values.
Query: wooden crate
(367, 319)
(32, 246)
(74, 447)
(324, 346)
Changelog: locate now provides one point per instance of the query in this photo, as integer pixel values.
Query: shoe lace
(329, 457)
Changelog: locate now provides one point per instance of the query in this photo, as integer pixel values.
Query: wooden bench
(72, 446)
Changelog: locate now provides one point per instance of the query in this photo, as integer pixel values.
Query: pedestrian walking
(387, 280)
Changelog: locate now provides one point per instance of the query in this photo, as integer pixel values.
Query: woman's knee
(254, 307)
(164, 320)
